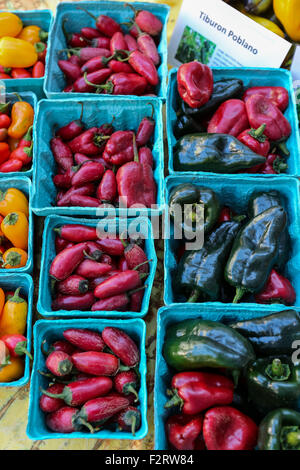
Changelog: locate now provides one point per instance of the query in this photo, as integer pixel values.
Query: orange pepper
(13, 200)
(4, 152)
(13, 143)
(15, 229)
(14, 258)
(2, 300)
(14, 370)
(22, 116)
(33, 34)
(14, 315)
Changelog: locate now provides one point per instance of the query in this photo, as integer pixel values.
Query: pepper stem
(239, 293)
(86, 424)
(278, 371)
(131, 389)
(20, 349)
(174, 401)
(133, 424)
(290, 438)
(258, 134)
(16, 298)
(52, 395)
(279, 166)
(142, 264)
(135, 150)
(194, 296)
(83, 9)
(283, 149)
(132, 7)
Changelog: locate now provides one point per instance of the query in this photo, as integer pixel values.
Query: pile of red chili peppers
(97, 274)
(255, 117)
(106, 60)
(90, 388)
(102, 165)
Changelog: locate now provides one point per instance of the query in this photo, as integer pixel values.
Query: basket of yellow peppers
(16, 292)
(15, 226)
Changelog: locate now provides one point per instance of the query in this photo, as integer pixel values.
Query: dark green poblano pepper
(254, 252)
(280, 430)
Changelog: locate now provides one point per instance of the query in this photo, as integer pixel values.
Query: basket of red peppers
(103, 162)
(86, 271)
(108, 48)
(228, 380)
(232, 121)
(88, 380)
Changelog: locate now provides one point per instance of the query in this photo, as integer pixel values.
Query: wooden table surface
(14, 401)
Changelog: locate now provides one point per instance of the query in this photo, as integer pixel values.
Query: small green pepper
(280, 430)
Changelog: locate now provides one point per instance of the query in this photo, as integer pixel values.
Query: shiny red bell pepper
(121, 345)
(230, 118)
(225, 428)
(195, 83)
(278, 95)
(87, 340)
(96, 363)
(256, 140)
(183, 432)
(278, 289)
(73, 302)
(73, 285)
(194, 392)
(275, 164)
(145, 130)
(260, 111)
(67, 261)
(119, 148)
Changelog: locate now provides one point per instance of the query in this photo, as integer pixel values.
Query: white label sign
(218, 35)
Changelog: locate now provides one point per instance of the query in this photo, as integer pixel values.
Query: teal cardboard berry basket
(115, 226)
(10, 282)
(168, 316)
(43, 19)
(127, 114)
(51, 330)
(30, 98)
(77, 19)
(251, 77)
(235, 192)
(23, 184)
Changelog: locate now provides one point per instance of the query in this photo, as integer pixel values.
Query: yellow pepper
(15, 229)
(33, 34)
(14, 316)
(14, 370)
(17, 53)
(270, 25)
(14, 258)
(10, 24)
(22, 115)
(288, 13)
(13, 200)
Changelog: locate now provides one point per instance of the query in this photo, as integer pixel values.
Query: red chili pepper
(129, 419)
(143, 66)
(117, 42)
(24, 150)
(5, 121)
(225, 428)
(38, 70)
(71, 71)
(87, 172)
(78, 392)
(16, 345)
(101, 42)
(20, 73)
(87, 83)
(61, 345)
(91, 269)
(87, 53)
(98, 280)
(278, 289)
(101, 409)
(135, 256)
(85, 190)
(107, 188)
(121, 345)
(88, 143)
(145, 130)
(76, 39)
(11, 166)
(118, 284)
(63, 181)
(77, 233)
(48, 405)
(90, 33)
(107, 129)
(94, 252)
(4, 76)
(96, 363)
(119, 67)
(126, 383)
(111, 246)
(275, 164)
(278, 95)
(260, 111)
(62, 153)
(125, 84)
(122, 264)
(256, 140)
(73, 285)
(94, 64)
(147, 21)
(147, 46)
(62, 420)
(106, 259)
(105, 24)
(68, 89)
(131, 44)
(196, 391)
(119, 148)
(71, 130)
(73, 302)
(42, 54)
(61, 244)
(87, 340)
(183, 432)
(5, 69)
(230, 118)
(67, 260)
(195, 83)
(59, 363)
(116, 302)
